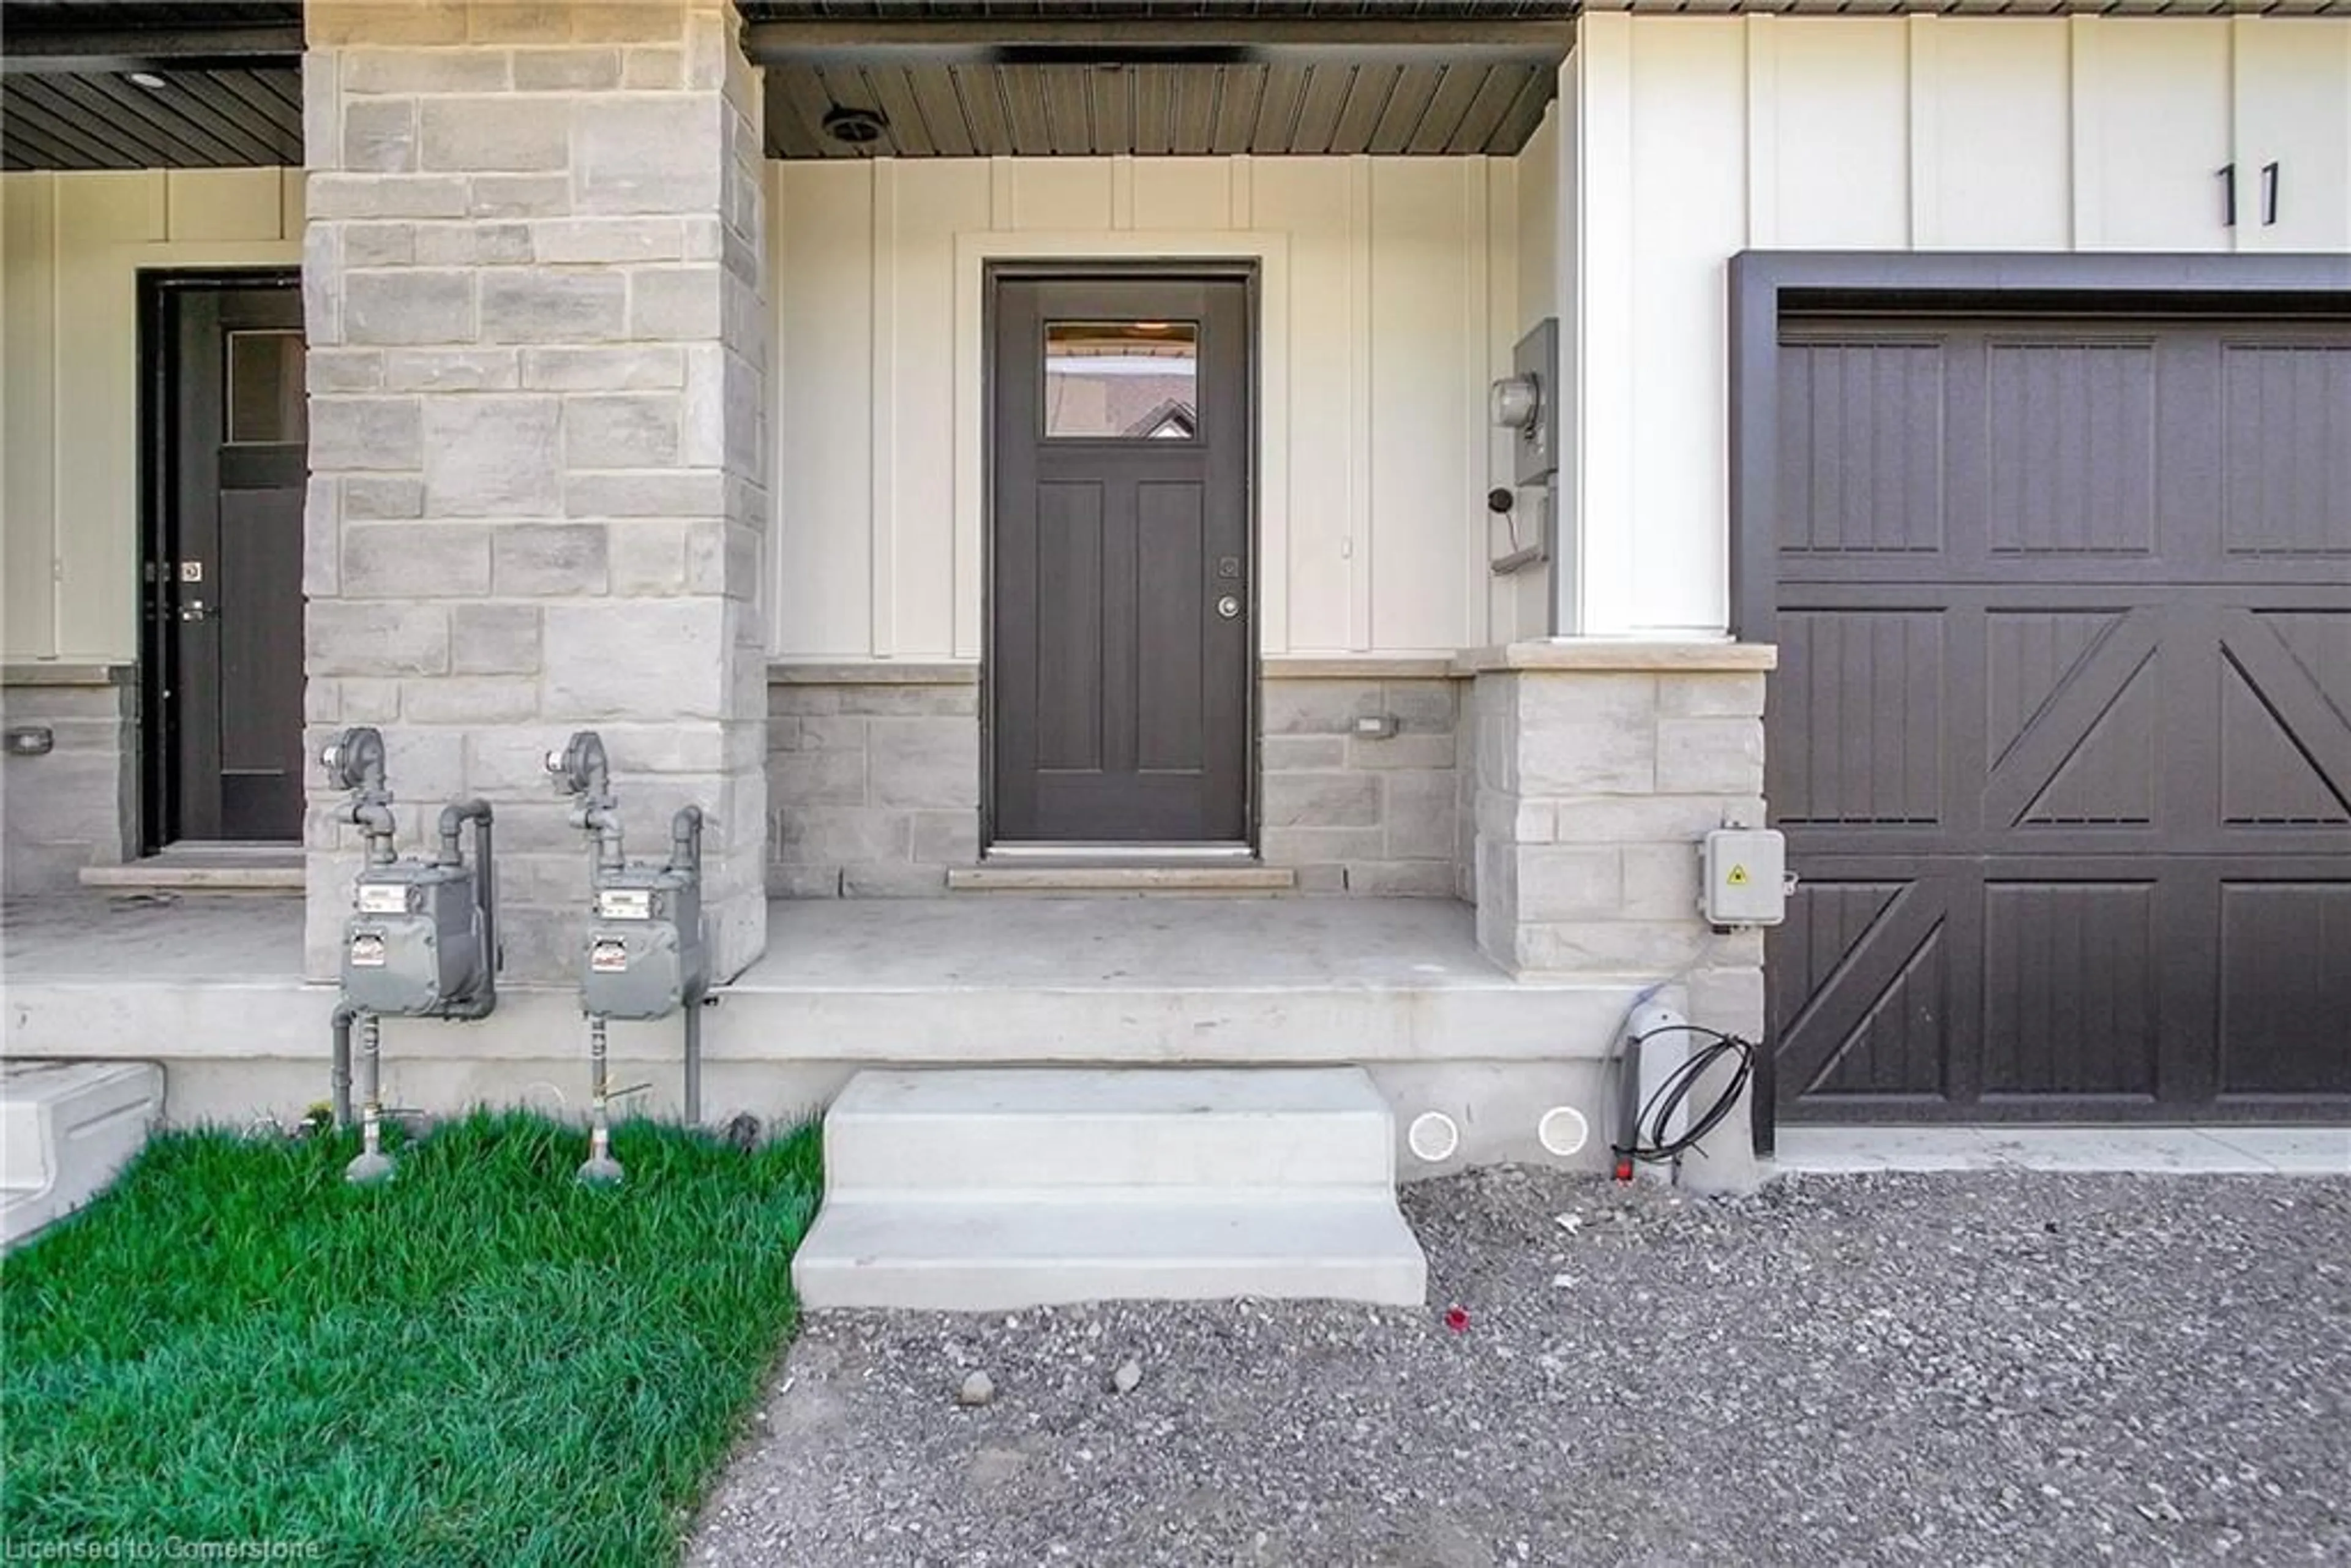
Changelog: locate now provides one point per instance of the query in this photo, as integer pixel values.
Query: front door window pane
(1121, 381)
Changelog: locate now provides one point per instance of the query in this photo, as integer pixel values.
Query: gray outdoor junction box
(1745, 877)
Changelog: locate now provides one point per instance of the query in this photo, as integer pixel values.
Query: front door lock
(1228, 606)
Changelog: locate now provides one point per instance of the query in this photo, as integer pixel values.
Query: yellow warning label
(1738, 877)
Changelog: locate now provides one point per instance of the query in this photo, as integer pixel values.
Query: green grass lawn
(481, 1361)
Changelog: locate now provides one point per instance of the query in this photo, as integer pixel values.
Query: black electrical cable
(1650, 1144)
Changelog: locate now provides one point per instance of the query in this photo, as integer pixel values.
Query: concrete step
(976, 1189)
(1003, 1252)
(1047, 1128)
(206, 868)
(66, 1129)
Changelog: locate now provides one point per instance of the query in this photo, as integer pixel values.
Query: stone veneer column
(1600, 770)
(532, 276)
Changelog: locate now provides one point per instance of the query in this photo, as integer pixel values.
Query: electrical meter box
(1527, 403)
(644, 955)
(413, 942)
(1745, 877)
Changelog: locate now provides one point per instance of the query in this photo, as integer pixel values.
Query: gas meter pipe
(356, 762)
(685, 854)
(583, 767)
(602, 1168)
(371, 1164)
(453, 817)
(339, 1080)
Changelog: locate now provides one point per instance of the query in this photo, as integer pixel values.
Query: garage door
(2061, 737)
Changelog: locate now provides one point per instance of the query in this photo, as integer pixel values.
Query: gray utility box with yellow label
(414, 943)
(644, 955)
(1745, 877)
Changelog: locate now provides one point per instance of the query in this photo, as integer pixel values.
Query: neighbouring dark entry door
(1120, 666)
(225, 569)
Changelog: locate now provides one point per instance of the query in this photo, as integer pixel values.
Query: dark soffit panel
(100, 84)
(232, 117)
(948, 110)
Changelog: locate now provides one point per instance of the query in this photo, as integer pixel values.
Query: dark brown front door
(1120, 661)
(2061, 736)
(225, 571)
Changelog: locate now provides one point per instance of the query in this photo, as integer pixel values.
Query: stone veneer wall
(1350, 813)
(1600, 770)
(872, 784)
(532, 274)
(76, 805)
(1594, 789)
(873, 781)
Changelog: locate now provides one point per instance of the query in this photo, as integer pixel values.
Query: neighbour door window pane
(266, 405)
(1132, 380)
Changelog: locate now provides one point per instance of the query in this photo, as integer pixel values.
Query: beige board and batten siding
(1686, 140)
(71, 247)
(1389, 300)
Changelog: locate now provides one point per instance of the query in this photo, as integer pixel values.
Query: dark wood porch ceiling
(1267, 76)
(940, 109)
(132, 84)
(99, 84)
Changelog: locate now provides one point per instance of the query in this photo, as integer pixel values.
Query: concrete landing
(1001, 1188)
(66, 1129)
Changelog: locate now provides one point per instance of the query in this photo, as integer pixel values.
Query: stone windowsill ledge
(1603, 653)
(48, 672)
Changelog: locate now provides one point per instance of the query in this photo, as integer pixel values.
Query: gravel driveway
(1985, 1368)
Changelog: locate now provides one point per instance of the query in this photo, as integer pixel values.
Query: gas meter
(643, 956)
(414, 940)
(421, 938)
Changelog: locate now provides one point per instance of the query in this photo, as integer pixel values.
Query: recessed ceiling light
(854, 126)
(147, 79)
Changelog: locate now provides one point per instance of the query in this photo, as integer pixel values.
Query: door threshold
(1079, 851)
(205, 867)
(1166, 879)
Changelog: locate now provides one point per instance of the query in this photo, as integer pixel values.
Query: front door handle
(195, 610)
(1228, 606)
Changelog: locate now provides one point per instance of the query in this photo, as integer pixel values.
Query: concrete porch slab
(211, 987)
